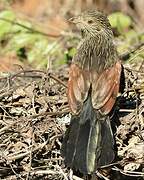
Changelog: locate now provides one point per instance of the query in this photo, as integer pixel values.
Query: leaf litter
(34, 115)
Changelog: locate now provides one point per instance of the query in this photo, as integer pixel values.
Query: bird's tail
(88, 142)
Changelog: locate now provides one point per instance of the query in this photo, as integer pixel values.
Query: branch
(30, 29)
(126, 55)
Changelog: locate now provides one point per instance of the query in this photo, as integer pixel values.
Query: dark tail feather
(88, 142)
(107, 143)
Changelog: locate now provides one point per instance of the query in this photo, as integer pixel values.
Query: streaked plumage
(93, 85)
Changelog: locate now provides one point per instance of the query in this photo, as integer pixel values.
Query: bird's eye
(90, 21)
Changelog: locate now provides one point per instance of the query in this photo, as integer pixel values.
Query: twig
(57, 79)
(30, 155)
(70, 175)
(133, 70)
(127, 110)
(17, 175)
(30, 29)
(22, 155)
(50, 113)
(109, 165)
(126, 55)
(129, 173)
(101, 176)
(44, 172)
(36, 71)
(140, 51)
(38, 172)
(62, 172)
(5, 128)
(5, 111)
(6, 93)
(77, 178)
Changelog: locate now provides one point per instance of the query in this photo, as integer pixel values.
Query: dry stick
(36, 71)
(30, 156)
(50, 113)
(34, 116)
(127, 110)
(26, 71)
(77, 178)
(22, 155)
(5, 111)
(57, 79)
(62, 172)
(47, 160)
(7, 127)
(44, 172)
(38, 172)
(136, 55)
(6, 93)
(101, 175)
(3, 121)
(41, 172)
(70, 174)
(17, 175)
(126, 55)
(129, 173)
(130, 70)
(112, 164)
(30, 29)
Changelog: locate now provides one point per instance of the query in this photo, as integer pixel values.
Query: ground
(34, 112)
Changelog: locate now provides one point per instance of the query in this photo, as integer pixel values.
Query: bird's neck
(96, 52)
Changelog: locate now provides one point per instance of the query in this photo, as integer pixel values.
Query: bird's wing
(78, 86)
(105, 87)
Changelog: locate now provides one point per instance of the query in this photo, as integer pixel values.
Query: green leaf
(72, 52)
(120, 21)
(37, 52)
(60, 62)
(7, 14)
(24, 39)
(5, 27)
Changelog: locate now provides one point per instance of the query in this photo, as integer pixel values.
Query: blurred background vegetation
(36, 33)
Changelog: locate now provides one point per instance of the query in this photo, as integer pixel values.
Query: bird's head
(92, 23)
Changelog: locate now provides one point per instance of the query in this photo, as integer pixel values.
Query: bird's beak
(74, 20)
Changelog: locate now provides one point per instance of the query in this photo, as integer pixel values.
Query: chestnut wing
(78, 87)
(106, 88)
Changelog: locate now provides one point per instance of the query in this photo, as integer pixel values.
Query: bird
(93, 86)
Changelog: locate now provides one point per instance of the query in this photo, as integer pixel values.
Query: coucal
(93, 85)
